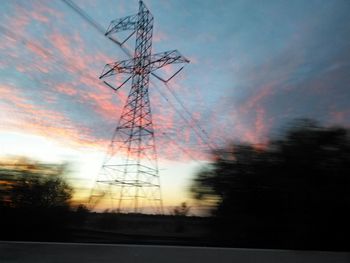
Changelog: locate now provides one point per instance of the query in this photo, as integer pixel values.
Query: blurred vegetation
(179, 212)
(35, 200)
(293, 193)
(182, 210)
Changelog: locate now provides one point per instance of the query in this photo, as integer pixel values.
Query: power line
(183, 117)
(24, 41)
(100, 29)
(181, 148)
(189, 114)
(93, 23)
(85, 16)
(59, 63)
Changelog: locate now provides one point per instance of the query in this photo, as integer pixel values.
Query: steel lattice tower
(129, 173)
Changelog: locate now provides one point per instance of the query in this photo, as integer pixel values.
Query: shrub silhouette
(294, 193)
(35, 200)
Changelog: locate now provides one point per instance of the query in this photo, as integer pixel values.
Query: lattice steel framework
(129, 173)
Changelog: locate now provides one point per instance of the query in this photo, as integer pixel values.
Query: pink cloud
(66, 89)
(33, 118)
(37, 50)
(160, 36)
(61, 43)
(39, 17)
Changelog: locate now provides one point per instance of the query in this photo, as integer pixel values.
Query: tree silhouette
(294, 193)
(35, 200)
(29, 184)
(41, 193)
(181, 210)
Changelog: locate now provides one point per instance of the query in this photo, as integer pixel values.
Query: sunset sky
(255, 66)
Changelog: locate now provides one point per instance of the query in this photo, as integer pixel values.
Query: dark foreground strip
(78, 252)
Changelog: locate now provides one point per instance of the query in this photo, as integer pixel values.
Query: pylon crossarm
(142, 7)
(125, 66)
(156, 61)
(165, 58)
(122, 24)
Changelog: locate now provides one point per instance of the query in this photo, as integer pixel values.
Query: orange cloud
(35, 119)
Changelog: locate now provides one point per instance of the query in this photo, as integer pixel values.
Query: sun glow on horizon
(86, 163)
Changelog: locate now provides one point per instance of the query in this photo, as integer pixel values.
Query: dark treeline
(36, 205)
(293, 193)
(35, 201)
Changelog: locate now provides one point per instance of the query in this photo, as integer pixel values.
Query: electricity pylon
(129, 173)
